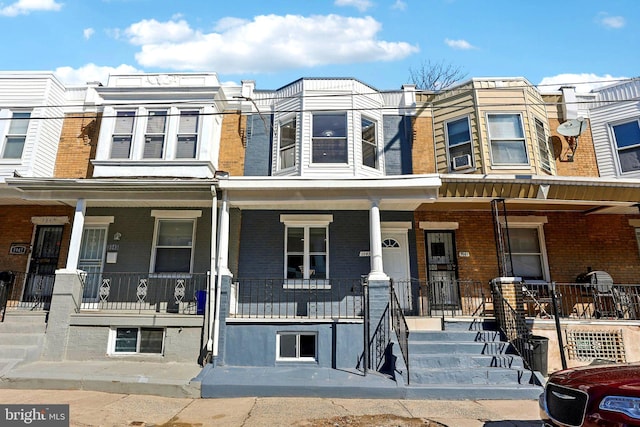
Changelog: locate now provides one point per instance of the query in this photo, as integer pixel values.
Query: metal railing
(180, 293)
(399, 324)
(296, 298)
(29, 291)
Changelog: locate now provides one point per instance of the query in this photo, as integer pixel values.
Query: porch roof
(404, 192)
(586, 194)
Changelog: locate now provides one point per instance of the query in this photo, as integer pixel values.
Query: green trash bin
(539, 347)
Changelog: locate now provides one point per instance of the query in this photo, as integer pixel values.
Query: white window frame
(617, 148)
(125, 113)
(536, 222)
(315, 138)
(306, 222)
(197, 112)
(111, 342)
(522, 139)
(173, 215)
(468, 143)
(149, 135)
(297, 358)
(543, 145)
(282, 123)
(23, 136)
(369, 144)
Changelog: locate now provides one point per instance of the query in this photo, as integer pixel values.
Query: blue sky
(277, 41)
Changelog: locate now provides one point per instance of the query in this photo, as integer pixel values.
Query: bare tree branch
(435, 75)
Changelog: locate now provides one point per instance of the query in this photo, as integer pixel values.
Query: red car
(596, 395)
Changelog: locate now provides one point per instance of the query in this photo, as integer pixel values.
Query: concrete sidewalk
(91, 408)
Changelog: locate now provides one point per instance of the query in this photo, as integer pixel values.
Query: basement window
(136, 341)
(295, 346)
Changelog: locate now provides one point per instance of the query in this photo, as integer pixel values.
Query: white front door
(92, 249)
(395, 259)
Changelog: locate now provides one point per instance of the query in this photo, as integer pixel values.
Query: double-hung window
(154, 139)
(369, 145)
(543, 146)
(17, 135)
(173, 243)
(458, 134)
(122, 135)
(188, 128)
(527, 256)
(287, 150)
(627, 140)
(506, 138)
(329, 141)
(306, 247)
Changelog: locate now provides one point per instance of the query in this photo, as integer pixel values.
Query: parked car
(603, 395)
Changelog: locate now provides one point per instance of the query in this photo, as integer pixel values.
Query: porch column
(76, 235)
(65, 301)
(212, 297)
(375, 243)
(223, 285)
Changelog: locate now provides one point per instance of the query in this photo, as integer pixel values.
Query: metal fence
(29, 291)
(183, 293)
(296, 298)
(399, 324)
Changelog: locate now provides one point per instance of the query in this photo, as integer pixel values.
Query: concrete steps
(467, 360)
(21, 338)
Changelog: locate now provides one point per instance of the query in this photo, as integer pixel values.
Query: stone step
(471, 325)
(22, 352)
(24, 339)
(477, 392)
(502, 376)
(456, 336)
(7, 364)
(453, 361)
(447, 347)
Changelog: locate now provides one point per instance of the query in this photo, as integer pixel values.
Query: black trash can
(539, 354)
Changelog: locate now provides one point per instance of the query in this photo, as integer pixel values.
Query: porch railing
(291, 299)
(29, 291)
(178, 293)
(399, 324)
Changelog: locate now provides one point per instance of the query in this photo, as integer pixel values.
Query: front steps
(467, 360)
(21, 338)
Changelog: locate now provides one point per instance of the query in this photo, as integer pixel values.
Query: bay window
(17, 135)
(287, 150)
(459, 146)
(627, 144)
(329, 138)
(543, 146)
(506, 139)
(369, 144)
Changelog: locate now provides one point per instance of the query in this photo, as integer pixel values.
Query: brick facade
(77, 146)
(422, 149)
(232, 143)
(584, 161)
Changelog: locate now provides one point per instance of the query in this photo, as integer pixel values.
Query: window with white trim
(369, 143)
(458, 135)
(122, 135)
(17, 135)
(506, 139)
(287, 149)
(155, 137)
(329, 142)
(188, 129)
(627, 144)
(543, 146)
(306, 246)
(174, 241)
(527, 251)
(296, 346)
(136, 340)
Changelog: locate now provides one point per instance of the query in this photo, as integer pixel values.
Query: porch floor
(295, 381)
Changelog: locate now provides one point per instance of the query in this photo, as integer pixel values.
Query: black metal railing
(296, 298)
(514, 327)
(450, 297)
(183, 293)
(29, 291)
(399, 324)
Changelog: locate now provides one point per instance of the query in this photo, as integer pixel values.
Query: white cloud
(614, 22)
(459, 44)
(91, 73)
(361, 5)
(583, 82)
(87, 33)
(24, 7)
(399, 5)
(265, 44)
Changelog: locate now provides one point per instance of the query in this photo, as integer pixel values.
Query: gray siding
(397, 145)
(257, 161)
(136, 226)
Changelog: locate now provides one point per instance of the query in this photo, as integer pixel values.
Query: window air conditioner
(461, 162)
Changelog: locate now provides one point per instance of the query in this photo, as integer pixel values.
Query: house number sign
(18, 248)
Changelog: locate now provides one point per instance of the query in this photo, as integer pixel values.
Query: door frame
(456, 303)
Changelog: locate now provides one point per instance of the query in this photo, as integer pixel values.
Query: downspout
(213, 275)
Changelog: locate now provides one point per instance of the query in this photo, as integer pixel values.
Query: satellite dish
(571, 127)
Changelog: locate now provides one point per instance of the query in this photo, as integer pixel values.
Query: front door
(43, 264)
(442, 270)
(395, 259)
(92, 248)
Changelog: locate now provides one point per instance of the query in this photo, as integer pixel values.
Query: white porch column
(222, 266)
(375, 242)
(76, 235)
(212, 298)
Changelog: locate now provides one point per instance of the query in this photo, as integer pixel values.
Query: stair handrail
(400, 327)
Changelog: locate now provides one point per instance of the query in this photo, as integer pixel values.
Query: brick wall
(422, 150)
(584, 161)
(77, 145)
(232, 148)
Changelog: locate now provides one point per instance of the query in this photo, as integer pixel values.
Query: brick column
(66, 298)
